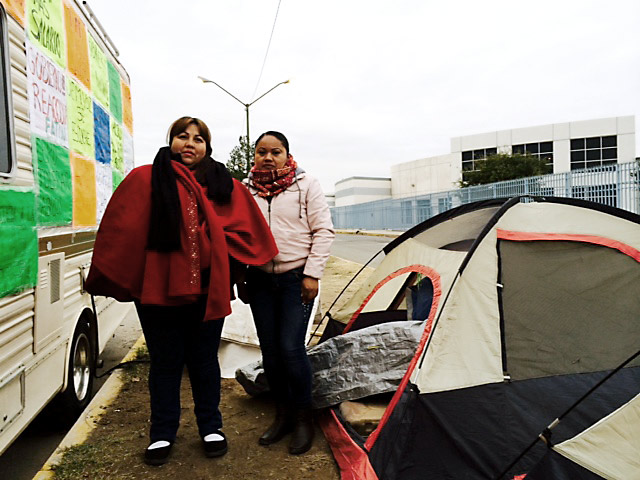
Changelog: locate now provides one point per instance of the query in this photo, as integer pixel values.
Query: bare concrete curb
(89, 418)
(374, 233)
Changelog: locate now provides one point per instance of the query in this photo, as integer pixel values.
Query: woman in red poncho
(168, 240)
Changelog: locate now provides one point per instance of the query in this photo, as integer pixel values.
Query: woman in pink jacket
(281, 292)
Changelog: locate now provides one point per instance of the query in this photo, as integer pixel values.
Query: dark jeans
(281, 322)
(177, 336)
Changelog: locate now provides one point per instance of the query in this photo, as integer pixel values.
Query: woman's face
(190, 145)
(270, 154)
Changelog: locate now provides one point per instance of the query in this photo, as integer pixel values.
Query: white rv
(65, 144)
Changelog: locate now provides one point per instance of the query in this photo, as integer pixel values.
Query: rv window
(6, 149)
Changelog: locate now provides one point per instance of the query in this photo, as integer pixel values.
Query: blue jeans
(281, 322)
(176, 336)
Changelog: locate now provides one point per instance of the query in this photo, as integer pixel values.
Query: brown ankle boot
(282, 425)
(303, 432)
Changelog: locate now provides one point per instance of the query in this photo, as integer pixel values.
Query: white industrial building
(354, 190)
(567, 146)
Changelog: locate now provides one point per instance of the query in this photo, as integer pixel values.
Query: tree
(237, 164)
(503, 166)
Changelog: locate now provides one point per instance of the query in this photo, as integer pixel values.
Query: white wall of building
(331, 199)
(561, 135)
(443, 172)
(361, 189)
(427, 175)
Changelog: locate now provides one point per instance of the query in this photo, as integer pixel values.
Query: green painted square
(18, 241)
(53, 176)
(117, 178)
(115, 93)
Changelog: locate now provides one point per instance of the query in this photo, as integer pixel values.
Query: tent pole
(327, 314)
(545, 435)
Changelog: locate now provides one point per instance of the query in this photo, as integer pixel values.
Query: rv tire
(81, 370)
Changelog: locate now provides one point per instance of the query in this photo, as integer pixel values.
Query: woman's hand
(309, 289)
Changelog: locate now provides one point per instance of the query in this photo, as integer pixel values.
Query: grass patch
(139, 366)
(88, 461)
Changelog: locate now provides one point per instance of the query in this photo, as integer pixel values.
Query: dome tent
(531, 302)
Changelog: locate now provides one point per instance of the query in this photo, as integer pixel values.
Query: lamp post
(246, 108)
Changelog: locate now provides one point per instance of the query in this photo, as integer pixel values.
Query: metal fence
(616, 185)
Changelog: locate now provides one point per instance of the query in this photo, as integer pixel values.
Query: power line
(267, 52)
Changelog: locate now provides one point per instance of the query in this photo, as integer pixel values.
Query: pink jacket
(301, 225)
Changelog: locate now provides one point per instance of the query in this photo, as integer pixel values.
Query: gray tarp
(351, 366)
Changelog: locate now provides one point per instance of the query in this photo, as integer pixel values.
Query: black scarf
(166, 214)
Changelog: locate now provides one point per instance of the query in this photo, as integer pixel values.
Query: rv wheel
(81, 370)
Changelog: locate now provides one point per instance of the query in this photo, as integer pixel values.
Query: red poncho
(124, 269)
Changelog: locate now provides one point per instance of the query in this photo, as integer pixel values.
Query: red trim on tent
(351, 458)
(594, 239)
(409, 269)
(437, 293)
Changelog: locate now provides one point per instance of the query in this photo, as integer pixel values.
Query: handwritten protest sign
(117, 158)
(104, 188)
(53, 174)
(99, 73)
(46, 27)
(80, 115)
(77, 49)
(46, 88)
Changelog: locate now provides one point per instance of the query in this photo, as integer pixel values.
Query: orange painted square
(83, 178)
(127, 114)
(77, 47)
(15, 8)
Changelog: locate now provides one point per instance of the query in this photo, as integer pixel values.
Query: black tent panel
(555, 466)
(474, 433)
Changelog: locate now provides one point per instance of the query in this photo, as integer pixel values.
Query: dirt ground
(115, 447)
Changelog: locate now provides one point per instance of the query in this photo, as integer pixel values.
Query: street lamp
(246, 107)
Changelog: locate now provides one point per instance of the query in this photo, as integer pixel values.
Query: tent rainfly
(532, 308)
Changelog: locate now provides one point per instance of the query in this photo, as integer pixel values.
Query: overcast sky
(373, 83)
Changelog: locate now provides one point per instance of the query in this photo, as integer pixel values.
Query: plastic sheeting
(18, 241)
(351, 366)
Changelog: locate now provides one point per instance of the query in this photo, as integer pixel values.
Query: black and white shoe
(158, 452)
(215, 444)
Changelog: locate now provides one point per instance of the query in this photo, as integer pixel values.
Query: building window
(542, 150)
(593, 152)
(407, 213)
(470, 157)
(424, 209)
(444, 204)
